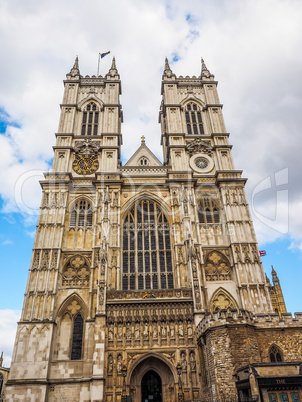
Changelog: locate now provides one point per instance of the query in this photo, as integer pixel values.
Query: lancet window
(147, 258)
(208, 211)
(193, 119)
(90, 120)
(275, 354)
(81, 215)
(77, 338)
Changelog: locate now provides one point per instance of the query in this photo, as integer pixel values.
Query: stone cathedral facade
(140, 268)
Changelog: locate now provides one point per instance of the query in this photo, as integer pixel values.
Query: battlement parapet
(245, 317)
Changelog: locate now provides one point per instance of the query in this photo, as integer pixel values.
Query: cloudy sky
(252, 47)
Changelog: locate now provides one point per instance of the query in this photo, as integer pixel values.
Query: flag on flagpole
(101, 55)
(262, 253)
(104, 54)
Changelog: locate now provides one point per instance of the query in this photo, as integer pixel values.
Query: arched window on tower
(1, 384)
(81, 215)
(143, 161)
(90, 120)
(193, 119)
(147, 258)
(208, 211)
(77, 338)
(275, 354)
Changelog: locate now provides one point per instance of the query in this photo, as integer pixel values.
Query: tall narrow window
(208, 211)
(147, 260)
(1, 383)
(194, 119)
(81, 215)
(90, 120)
(77, 338)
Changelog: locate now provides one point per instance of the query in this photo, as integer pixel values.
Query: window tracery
(76, 272)
(275, 354)
(81, 215)
(90, 120)
(217, 267)
(193, 119)
(208, 211)
(147, 258)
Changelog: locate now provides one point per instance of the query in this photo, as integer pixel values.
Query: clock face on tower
(85, 164)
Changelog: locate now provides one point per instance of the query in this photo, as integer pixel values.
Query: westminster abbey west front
(145, 282)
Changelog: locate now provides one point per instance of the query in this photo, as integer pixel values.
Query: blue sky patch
(190, 19)
(5, 121)
(175, 57)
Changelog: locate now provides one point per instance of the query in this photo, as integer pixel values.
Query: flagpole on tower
(101, 55)
(97, 74)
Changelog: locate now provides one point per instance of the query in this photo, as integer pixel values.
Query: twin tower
(138, 269)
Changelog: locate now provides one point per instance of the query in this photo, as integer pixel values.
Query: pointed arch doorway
(152, 378)
(151, 387)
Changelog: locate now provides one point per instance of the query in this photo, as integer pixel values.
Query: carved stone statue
(110, 334)
(181, 330)
(128, 332)
(155, 331)
(120, 333)
(192, 361)
(103, 251)
(110, 364)
(146, 331)
(172, 331)
(137, 332)
(183, 362)
(119, 364)
(163, 331)
(190, 331)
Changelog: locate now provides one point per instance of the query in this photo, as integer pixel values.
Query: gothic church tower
(128, 259)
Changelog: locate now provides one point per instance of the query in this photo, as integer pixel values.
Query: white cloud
(7, 242)
(253, 48)
(8, 326)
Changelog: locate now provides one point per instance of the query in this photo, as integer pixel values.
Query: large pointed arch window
(90, 120)
(147, 262)
(194, 122)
